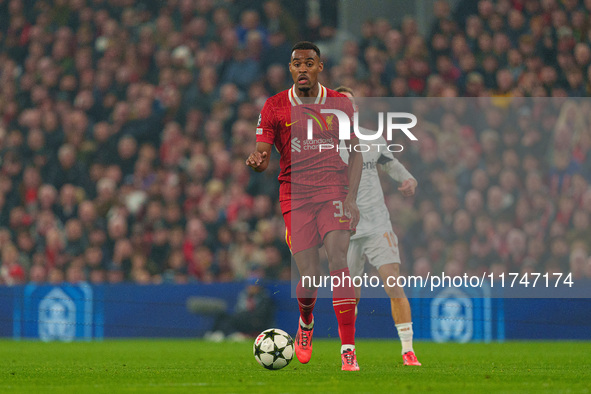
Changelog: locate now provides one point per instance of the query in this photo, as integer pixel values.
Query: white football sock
(405, 335)
(307, 326)
(346, 348)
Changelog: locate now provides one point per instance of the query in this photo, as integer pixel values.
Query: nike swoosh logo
(343, 220)
(289, 124)
(348, 310)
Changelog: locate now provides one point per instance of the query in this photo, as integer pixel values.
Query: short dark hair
(306, 45)
(345, 89)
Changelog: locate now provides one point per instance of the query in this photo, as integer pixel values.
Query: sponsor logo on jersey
(370, 165)
(296, 145)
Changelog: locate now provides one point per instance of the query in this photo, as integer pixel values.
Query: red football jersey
(307, 172)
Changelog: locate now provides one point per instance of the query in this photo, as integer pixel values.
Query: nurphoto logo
(345, 129)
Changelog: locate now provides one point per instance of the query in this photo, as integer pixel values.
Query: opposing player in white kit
(375, 238)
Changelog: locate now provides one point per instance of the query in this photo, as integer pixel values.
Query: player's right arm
(265, 132)
(259, 159)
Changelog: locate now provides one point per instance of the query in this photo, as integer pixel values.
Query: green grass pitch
(157, 366)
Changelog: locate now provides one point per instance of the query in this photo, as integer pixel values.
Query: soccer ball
(273, 349)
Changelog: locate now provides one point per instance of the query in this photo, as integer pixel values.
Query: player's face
(304, 68)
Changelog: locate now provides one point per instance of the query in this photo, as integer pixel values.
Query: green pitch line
(157, 366)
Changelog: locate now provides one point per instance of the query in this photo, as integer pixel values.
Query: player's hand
(255, 159)
(351, 211)
(408, 187)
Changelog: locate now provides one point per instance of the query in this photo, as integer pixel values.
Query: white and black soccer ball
(273, 349)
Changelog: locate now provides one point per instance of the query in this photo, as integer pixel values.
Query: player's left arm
(399, 173)
(354, 173)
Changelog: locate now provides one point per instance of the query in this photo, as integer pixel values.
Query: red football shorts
(306, 226)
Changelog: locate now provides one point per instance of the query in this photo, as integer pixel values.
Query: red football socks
(306, 302)
(343, 301)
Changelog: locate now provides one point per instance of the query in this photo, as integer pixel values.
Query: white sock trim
(346, 348)
(307, 326)
(402, 326)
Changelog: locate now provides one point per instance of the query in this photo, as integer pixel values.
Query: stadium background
(125, 125)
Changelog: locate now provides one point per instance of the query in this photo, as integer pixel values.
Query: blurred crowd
(124, 126)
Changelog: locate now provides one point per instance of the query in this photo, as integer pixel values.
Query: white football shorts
(380, 249)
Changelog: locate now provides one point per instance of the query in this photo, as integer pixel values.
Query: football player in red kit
(318, 192)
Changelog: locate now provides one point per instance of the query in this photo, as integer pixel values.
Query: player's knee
(337, 258)
(314, 274)
(395, 293)
(310, 270)
(337, 263)
(308, 265)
